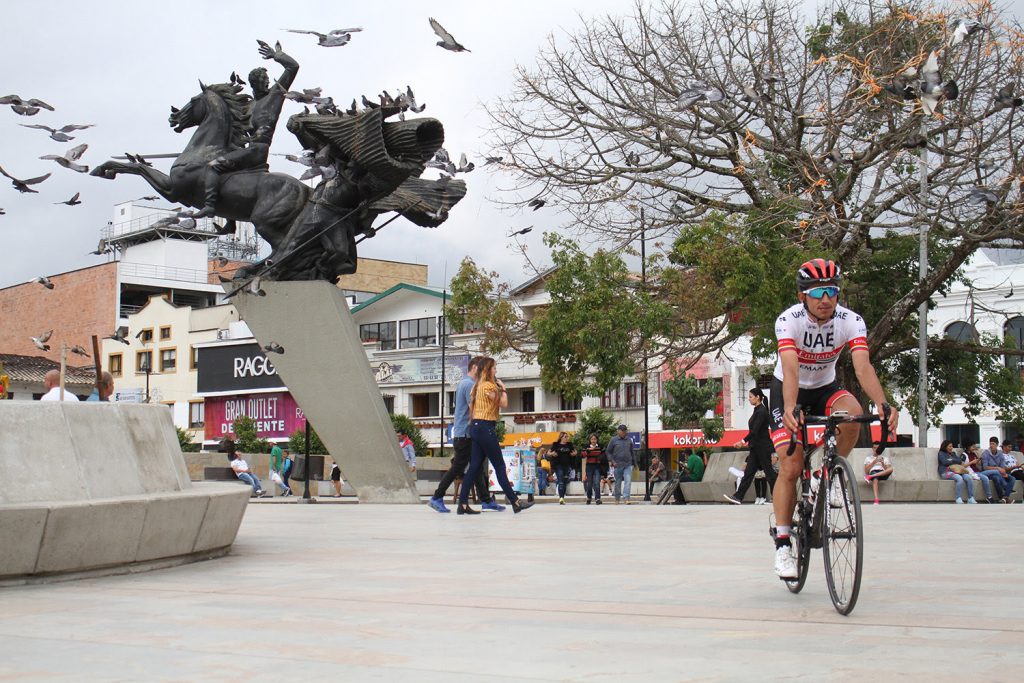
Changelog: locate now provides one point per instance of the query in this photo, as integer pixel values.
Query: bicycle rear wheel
(800, 540)
(842, 536)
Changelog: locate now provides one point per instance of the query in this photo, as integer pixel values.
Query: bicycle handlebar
(840, 419)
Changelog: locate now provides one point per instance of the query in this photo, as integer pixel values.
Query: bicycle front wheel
(842, 536)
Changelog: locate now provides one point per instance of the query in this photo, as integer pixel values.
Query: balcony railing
(164, 273)
(118, 230)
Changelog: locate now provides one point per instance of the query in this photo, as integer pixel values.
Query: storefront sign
(691, 438)
(277, 415)
(235, 367)
(421, 370)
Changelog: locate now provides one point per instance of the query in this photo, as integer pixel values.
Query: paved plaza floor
(573, 593)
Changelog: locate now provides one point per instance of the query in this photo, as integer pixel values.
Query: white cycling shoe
(785, 563)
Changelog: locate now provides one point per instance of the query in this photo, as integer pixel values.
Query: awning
(535, 438)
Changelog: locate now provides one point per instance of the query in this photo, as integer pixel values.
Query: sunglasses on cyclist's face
(818, 292)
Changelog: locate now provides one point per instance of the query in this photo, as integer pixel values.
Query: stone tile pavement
(573, 593)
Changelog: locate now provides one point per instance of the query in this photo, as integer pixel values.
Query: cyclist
(811, 335)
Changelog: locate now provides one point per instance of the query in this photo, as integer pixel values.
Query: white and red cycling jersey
(818, 346)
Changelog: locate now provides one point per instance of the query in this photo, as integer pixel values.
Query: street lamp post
(922, 310)
(647, 420)
(145, 367)
(444, 344)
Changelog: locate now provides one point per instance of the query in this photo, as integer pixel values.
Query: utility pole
(647, 420)
(922, 310)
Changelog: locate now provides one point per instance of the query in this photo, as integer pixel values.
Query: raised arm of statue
(291, 67)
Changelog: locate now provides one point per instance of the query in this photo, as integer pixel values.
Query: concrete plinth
(325, 368)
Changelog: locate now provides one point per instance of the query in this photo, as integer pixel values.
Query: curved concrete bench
(99, 486)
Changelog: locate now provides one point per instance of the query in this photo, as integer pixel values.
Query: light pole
(145, 367)
(444, 343)
(647, 421)
(922, 309)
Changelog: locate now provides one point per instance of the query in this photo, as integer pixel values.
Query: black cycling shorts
(817, 401)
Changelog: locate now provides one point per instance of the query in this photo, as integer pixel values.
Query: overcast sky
(122, 64)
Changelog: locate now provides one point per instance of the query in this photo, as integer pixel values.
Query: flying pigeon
(695, 92)
(273, 347)
(447, 41)
(1004, 98)
(44, 281)
(751, 95)
(28, 107)
(932, 87)
(101, 248)
(40, 341)
(465, 166)
(119, 336)
(23, 185)
(307, 96)
(2, 212)
(79, 351)
(149, 198)
(71, 202)
(981, 195)
(442, 162)
(410, 100)
(536, 203)
(58, 134)
(962, 28)
(335, 38)
(69, 159)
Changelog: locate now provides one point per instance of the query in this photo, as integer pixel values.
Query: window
(450, 404)
(964, 333)
(146, 335)
(389, 403)
(610, 398)
(168, 360)
(196, 414)
(143, 361)
(425, 405)
(382, 333)
(1013, 331)
(567, 404)
(417, 333)
(114, 361)
(634, 394)
(716, 382)
(527, 402)
(193, 361)
(165, 333)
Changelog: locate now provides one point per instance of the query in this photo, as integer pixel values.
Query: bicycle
(828, 516)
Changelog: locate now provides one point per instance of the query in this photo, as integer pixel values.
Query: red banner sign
(691, 438)
(277, 415)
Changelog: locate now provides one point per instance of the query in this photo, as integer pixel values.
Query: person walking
(486, 399)
(950, 467)
(463, 448)
(336, 478)
(622, 458)
(561, 454)
(408, 449)
(276, 469)
(592, 469)
(759, 440)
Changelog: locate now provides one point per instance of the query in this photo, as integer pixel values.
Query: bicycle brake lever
(886, 411)
(792, 436)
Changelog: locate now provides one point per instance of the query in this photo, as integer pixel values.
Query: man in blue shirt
(104, 388)
(463, 447)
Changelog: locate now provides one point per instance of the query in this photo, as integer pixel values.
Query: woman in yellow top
(485, 400)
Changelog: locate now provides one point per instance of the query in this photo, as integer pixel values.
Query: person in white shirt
(241, 468)
(51, 382)
(877, 468)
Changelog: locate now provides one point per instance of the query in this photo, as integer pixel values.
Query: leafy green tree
(184, 440)
(500, 429)
(593, 421)
(687, 403)
(402, 423)
(247, 439)
(297, 442)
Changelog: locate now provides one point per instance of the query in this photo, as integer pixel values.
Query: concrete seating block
(155, 445)
(20, 535)
(103, 448)
(223, 514)
(84, 535)
(172, 525)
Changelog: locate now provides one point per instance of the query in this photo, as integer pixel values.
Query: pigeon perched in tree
(71, 202)
(981, 195)
(492, 160)
(932, 87)
(28, 107)
(119, 336)
(40, 341)
(962, 28)
(986, 164)
(23, 185)
(44, 281)
(58, 134)
(772, 78)
(69, 159)
(79, 351)
(750, 94)
(447, 41)
(536, 203)
(335, 38)
(273, 347)
(1004, 97)
(580, 108)
(697, 91)
(914, 141)
(632, 159)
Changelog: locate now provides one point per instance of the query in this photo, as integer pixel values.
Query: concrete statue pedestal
(325, 369)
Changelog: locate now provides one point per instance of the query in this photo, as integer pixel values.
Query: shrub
(247, 439)
(404, 424)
